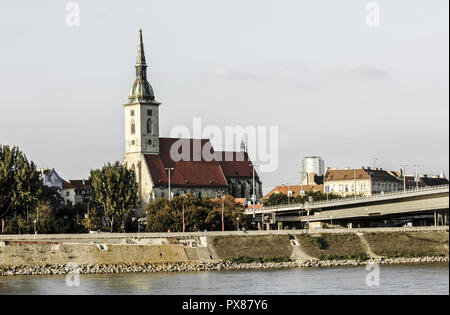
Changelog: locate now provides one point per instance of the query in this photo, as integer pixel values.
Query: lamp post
(184, 224)
(169, 169)
(417, 179)
(404, 166)
(237, 220)
(223, 212)
(301, 182)
(288, 192)
(35, 228)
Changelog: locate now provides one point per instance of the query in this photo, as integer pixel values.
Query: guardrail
(357, 199)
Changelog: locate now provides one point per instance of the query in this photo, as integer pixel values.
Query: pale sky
(334, 86)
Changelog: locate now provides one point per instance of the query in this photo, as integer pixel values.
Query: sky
(334, 86)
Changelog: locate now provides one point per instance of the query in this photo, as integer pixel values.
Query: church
(168, 167)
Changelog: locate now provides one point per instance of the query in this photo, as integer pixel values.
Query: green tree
(200, 214)
(114, 189)
(276, 199)
(19, 183)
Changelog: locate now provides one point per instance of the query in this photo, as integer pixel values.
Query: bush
(250, 260)
(358, 257)
(320, 242)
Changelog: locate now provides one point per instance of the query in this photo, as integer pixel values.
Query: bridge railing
(359, 198)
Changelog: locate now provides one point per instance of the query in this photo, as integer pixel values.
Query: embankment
(107, 253)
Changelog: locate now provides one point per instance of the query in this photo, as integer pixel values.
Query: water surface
(394, 279)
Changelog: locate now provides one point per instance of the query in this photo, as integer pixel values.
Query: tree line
(282, 199)
(27, 205)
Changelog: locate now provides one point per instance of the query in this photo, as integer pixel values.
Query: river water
(393, 279)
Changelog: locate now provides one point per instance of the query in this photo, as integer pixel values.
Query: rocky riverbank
(203, 266)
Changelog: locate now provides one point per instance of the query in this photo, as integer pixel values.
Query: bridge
(421, 203)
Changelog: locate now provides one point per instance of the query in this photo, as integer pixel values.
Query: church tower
(141, 111)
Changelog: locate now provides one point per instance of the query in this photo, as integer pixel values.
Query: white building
(364, 181)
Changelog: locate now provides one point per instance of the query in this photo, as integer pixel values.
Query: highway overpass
(419, 203)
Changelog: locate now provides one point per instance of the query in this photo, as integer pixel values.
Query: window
(149, 112)
(132, 113)
(133, 127)
(67, 193)
(149, 126)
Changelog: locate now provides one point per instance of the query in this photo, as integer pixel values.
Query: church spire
(141, 65)
(141, 90)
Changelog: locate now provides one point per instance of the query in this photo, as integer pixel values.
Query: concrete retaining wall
(218, 246)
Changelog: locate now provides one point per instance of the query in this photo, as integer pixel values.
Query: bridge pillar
(280, 226)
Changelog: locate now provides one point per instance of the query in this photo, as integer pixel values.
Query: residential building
(294, 190)
(363, 181)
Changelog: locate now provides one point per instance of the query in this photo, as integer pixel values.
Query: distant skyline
(336, 88)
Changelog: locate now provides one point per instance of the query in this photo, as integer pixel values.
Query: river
(393, 279)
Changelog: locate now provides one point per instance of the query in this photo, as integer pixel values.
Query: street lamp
(169, 169)
(404, 177)
(417, 179)
(182, 206)
(35, 228)
(288, 192)
(223, 211)
(237, 220)
(301, 182)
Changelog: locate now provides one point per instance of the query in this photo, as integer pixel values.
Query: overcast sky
(334, 86)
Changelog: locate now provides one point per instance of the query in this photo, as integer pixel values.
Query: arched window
(243, 195)
(149, 126)
(133, 127)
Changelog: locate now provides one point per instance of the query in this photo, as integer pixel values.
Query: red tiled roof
(66, 184)
(192, 169)
(294, 189)
(80, 185)
(235, 164)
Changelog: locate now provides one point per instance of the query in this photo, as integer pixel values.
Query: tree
(19, 182)
(200, 214)
(276, 199)
(114, 189)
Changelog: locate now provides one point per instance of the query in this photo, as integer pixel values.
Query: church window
(132, 113)
(133, 127)
(243, 191)
(149, 126)
(149, 112)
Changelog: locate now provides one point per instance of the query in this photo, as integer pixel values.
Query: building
(73, 192)
(166, 167)
(82, 190)
(238, 172)
(294, 190)
(314, 165)
(363, 181)
(312, 179)
(423, 180)
(51, 178)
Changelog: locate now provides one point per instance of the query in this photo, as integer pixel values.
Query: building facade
(364, 181)
(166, 167)
(313, 165)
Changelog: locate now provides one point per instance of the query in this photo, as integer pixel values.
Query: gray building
(313, 165)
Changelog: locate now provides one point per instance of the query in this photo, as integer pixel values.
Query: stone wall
(216, 247)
